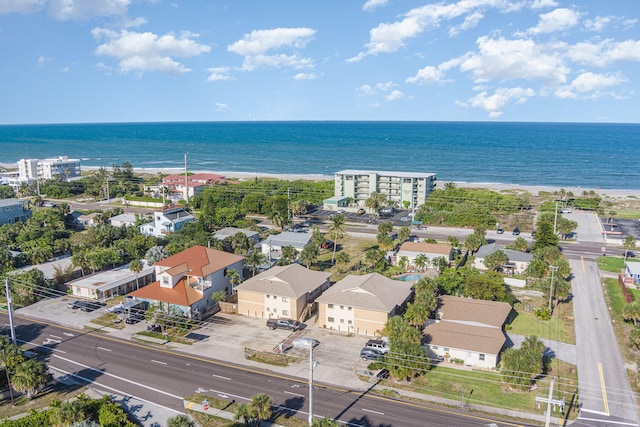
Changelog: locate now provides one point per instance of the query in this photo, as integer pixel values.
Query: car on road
(370, 354)
(360, 211)
(49, 205)
(290, 324)
(516, 231)
(405, 219)
(500, 231)
(566, 211)
(341, 211)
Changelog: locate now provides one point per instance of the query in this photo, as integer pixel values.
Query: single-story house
(272, 245)
(362, 304)
(87, 220)
(282, 291)
(632, 270)
(229, 232)
(412, 250)
(467, 329)
(107, 284)
(335, 203)
(187, 280)
(125, 219)
(517, 261)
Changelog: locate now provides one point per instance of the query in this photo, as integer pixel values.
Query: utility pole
(548, 420)
(108, 194)
(310, 384)
(10, 310)
(553, 269)
(186, 179)
(288, 204)
(555, 220)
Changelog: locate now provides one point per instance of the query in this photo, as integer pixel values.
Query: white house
(167, 220)
(187, 280)
(632, 270)
(229, 232)
(467, 329)
(517, 261)
(412, 250)
(273, 244)
(107, 284)
(125, 219)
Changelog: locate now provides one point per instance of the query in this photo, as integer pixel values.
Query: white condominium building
(61, 167)
(399, 187)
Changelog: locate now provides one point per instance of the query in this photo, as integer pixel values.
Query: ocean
(569, 155)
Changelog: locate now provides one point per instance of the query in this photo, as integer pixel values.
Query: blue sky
(79, 61)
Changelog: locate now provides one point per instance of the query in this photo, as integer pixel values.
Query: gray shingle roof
(370, 291)
(288, 238)
(232, 231)
(290, 281)
(511, 254)
(473, 311)
(465, 337)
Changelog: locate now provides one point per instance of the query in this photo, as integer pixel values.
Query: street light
(308, 343)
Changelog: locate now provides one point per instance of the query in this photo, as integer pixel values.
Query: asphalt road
(165, 377)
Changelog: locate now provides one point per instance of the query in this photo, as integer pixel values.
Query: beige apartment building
(413, 187)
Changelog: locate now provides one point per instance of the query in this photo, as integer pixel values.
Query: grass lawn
(42, 400)
(613, 264)
(559, 328)
(616, 301)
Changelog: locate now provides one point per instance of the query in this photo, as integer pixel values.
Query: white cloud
(604, 53)
(556, 20)
(494, 104)
(219, 74)
(598, 23)
(86, 9)
(220, 106)
(42, 60)
(260, 47)
(21, 6)
(140, 52)
(305, 76)
(366, 90)
(470, 21)
(387, 38)
(385, 86)
(427, 75)
(373, 4)
(394, 95)
(539, 4)
(589, 85)
(514, 59)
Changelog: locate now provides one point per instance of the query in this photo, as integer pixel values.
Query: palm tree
(243, 413)
(30, 377)
(181, 420)
(629, 244)
(343, 258)
(136, 267)
(337, 230)
(69, 412)
(324, 422)
(309, 255)
(254, 259)
(403, 262)
(317, 238)
(631, 312)
(421, 261)
(234, 278)
(404, 233)
(261, 405)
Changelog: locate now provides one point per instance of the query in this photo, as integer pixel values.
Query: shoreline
(495, 186)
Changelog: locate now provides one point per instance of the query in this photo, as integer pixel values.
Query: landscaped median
(221, 413)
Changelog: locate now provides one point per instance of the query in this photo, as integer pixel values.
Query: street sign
(205, 404)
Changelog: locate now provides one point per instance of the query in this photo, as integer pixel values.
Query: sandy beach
(533, 189)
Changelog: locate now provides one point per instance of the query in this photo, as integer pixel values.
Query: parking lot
(226, 336)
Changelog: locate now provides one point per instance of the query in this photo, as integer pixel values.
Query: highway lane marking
(604, 389)
(294, 394)
(102, 348)
(372, 411)
(272, 375)
(55, 336)
(117, 377)
(119, 392)
(158, 362)
(607, 421)
(68, 334)
(221, 377)
(229, 394)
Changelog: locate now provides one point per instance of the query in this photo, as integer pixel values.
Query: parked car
(89, 306)
(500, 231)
(516, 231)
(290, 324)
(74, 304)
(566, 211)
(341, 211)
(378, 345)
(134, 318)
(370, 354)
(327, 244)
(154, 328)
(360, 211)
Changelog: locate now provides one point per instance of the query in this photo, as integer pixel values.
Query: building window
(481, 356)
(434, 347)
(329, 305)
(341, 320)
(330, 319)
(165, 280)
(268, 309)
(268, 296)
(350, 322)
(275, 297)
(342, 307)
(285, 299)
(275, 310)
(446, 349)
(285, 312)
(350, 308)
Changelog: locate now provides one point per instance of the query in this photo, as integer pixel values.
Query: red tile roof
(201, 261)
(181, 294)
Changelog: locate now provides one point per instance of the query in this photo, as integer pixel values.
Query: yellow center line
(604, 389)
(582, 261)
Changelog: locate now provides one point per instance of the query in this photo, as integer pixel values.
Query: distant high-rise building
(58, 168)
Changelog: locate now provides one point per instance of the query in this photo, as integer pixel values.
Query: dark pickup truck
(292, 325)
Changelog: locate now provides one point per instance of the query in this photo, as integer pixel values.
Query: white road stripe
(295, 394)
(56, 337)
(159, 362)
(372, 411)
(117, 377)
(607, 421)
(69, 334)
(221, 377)
(102, 348)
